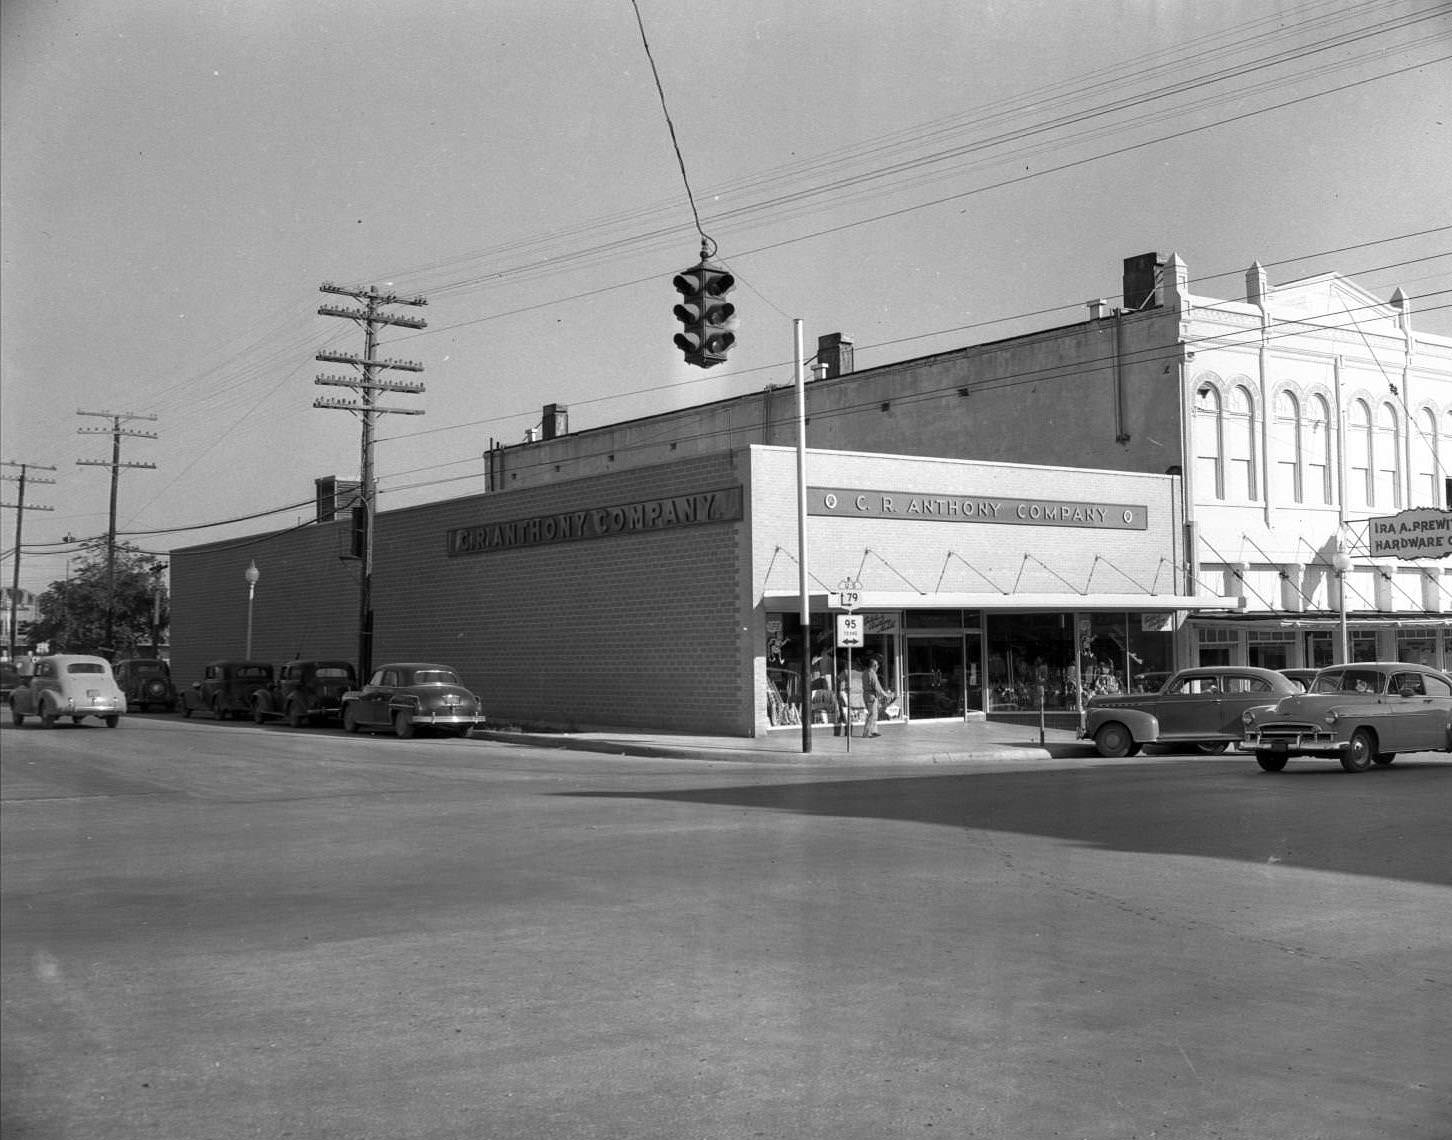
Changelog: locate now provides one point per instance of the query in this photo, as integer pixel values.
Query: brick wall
(638, 630)
(305, 603)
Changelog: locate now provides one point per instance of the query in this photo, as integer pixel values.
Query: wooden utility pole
(116, 432)
(21, 506)
(367, 384)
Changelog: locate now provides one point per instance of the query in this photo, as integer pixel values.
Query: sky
(178, 179)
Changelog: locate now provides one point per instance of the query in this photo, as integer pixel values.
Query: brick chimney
(556, 421)
(1141, 281)
(835, 351)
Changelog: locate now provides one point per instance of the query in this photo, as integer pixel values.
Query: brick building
(667, 596)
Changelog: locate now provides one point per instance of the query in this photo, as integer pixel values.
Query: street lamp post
(1341, 561)
(251, 574)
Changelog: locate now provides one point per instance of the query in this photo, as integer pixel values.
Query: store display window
(828, 665)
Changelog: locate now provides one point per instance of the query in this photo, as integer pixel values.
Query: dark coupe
(410, 695)
(1198, 707)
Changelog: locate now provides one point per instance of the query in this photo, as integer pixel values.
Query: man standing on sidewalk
(874, 695)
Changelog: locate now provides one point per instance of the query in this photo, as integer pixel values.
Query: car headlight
(1330, 717)
(1247, 717)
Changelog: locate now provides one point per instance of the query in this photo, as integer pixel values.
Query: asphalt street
(217, 930)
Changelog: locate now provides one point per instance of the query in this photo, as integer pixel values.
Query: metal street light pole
(251, 574)
(1341, 561)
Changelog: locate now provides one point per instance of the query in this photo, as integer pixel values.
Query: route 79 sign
(849, 631)
(844, 599)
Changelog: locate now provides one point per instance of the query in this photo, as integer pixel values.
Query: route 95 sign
(849, 631)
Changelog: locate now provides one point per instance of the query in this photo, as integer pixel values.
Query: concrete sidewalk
(935, 742)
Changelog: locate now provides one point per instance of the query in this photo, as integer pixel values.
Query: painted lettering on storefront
(843, 502)
(721, 505)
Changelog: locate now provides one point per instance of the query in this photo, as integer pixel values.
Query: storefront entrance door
(942, 678)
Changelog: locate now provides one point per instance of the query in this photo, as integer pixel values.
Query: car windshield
(435, 677)
(332, 671)
(253, 672)
(85, 667)
(1348, 681)
(147, 667)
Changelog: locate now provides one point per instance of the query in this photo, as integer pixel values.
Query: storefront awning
(822, 601)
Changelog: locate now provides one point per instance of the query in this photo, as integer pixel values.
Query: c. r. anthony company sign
(721, 505)
(851, 502)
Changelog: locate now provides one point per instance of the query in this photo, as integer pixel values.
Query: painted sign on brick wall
(848, 502)
(671, 513)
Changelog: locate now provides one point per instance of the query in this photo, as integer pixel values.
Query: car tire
(461, 730)
(186, 709)
(1384, 758)
(1212, 747)
(257, 714)
(403, 726)
(1271, 761)
(17, 718)
(350, 720)
(111, 721)
(1113, 740)
(297, 716)
(47, 717)
(1360, 751)
(220, 710)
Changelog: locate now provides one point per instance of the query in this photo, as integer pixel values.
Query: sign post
(850, 635)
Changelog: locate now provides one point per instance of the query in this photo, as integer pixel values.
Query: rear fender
(1143, 726)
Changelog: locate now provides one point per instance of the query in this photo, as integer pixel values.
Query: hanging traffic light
(709, 321)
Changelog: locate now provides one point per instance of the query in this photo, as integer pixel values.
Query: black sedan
(406, 696)
(1199, 707)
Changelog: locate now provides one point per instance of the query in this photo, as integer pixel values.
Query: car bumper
(436, 719)
(102, 707)
(1301, 741)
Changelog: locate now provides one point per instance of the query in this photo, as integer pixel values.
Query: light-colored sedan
(68, 684)
(1363, 713)
(1198, 707)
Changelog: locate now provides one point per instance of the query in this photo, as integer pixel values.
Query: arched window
(1358, 455)
(1387, 451)
(1317, 450)
(1426, 460)
(1287, 459)
(1209, 470)
(1239, 445)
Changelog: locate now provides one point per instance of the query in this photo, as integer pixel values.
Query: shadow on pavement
(1387, 823)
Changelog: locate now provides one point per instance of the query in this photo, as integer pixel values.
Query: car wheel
(1385, 758)
(1212, 747)
(1360, 752)
(1271, 761)
(350, 719)
(462, 730)
(403, 724)
(111, 721)
(257, 716)
(47, 717)
(17, 718)
(297, 716)
(221, 710)
(1113, 740)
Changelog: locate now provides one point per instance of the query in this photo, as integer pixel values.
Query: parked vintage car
(406, 696)
(226, 688)
(305, 692)
(68, 684)
(1363, 713)
(9, 678)
(1200, 707)
(146, 681)
(1301, 676)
